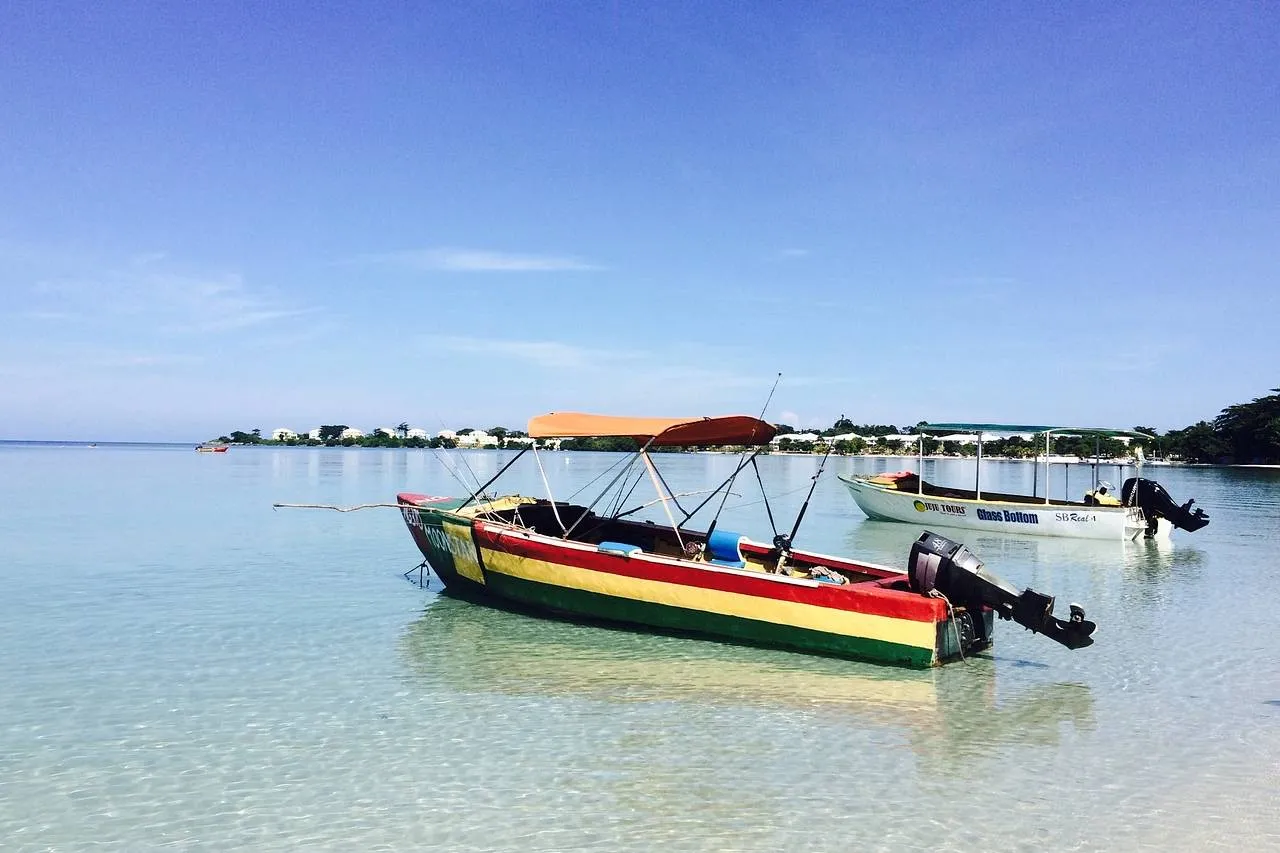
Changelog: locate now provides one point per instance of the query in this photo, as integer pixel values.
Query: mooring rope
(951, 617)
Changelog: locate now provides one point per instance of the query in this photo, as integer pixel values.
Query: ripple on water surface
(184, 666)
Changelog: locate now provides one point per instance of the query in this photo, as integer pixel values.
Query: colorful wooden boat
(1143, 507)
(211, 448)
(565, 559)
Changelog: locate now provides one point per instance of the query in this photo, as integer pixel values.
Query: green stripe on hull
(593, 605)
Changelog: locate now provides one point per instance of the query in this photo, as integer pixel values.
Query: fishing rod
(478, 493)
(783, 541)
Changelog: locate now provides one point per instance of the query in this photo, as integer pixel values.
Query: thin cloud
(669, 375)
(51, 316)
(142, 360)
(241, 320)
(445, 259)
(170, 303)
(548, 354)
(1143, 358)
(793, 298)
(794, 253)
(66, 362)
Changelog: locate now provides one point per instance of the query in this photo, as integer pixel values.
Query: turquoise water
(184, 666)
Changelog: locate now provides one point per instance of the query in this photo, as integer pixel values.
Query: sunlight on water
(185, 666)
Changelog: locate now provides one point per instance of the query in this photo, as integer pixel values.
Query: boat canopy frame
(1098, 433)
(730, 430)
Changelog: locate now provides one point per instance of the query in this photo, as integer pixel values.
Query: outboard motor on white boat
(939, 563)
(1156, 504)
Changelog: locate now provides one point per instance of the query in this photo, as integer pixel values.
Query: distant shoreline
(1056, 460)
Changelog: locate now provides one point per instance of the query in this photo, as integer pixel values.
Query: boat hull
(499, 563)
(1036, 519)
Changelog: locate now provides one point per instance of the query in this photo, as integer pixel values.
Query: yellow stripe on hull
(787, 613)
(463, 549)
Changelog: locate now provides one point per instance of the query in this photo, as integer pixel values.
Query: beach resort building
(417, 433)
(477, 438)
(283, 434)
(794, 438)
(352, 432)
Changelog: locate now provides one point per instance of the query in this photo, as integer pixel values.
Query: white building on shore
(282, 434)
(477, 438)
(794, 438)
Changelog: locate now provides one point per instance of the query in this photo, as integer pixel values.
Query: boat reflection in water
(944, 714)
(1141, 558)
(1052, 558)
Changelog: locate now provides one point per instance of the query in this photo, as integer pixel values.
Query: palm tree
(403, 429)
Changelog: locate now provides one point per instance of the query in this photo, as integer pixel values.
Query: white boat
(1143, 508)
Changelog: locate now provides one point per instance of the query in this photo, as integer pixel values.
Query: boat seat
(724, 548)
(620, 548)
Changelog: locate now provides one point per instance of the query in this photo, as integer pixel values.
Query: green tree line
(1243, 434)
(1246, 433)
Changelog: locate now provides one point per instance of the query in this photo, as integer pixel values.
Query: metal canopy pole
(662, 496)
(920, 472)
(625, 470)
(1046, 467)
(977, 480)
(1097, 458)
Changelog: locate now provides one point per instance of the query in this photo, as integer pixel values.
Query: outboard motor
(1156, 503)
(952, 569)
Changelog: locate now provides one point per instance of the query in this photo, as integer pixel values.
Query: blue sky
(221, 216)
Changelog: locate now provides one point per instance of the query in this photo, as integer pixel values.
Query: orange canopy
(668, 432)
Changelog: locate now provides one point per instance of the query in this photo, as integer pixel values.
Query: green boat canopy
(1009, 429)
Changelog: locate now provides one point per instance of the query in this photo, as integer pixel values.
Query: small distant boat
(1143, 507)
(566, 559)
(211, 448)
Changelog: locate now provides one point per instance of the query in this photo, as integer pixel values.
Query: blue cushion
(724, 548)
(618, 548)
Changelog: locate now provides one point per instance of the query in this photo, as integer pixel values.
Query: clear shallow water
(181, 665)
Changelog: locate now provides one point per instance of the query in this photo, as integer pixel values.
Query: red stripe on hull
(868, 597)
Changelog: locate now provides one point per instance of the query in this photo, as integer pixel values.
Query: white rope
(550, 497)
(951, 616)
(336, 508)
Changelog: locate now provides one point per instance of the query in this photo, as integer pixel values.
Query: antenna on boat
(783, 541)
(728, 486)
(449, 465)
(479, 493)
